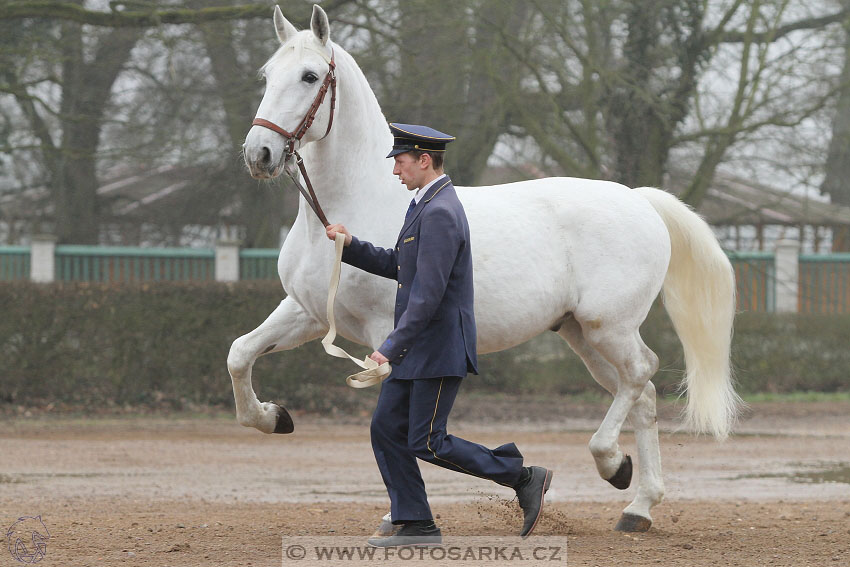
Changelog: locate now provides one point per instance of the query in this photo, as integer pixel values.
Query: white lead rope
(373, 373)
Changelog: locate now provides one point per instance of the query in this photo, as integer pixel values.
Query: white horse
(583, 258)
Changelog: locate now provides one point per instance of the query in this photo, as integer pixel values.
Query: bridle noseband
(291, 137)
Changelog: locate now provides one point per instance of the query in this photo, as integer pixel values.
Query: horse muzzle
(264, 160)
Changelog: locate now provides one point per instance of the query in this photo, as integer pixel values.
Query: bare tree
(608, 89)
(68, 129)
(612, 88)
(70, 133)
(837, 167)
(442, 63)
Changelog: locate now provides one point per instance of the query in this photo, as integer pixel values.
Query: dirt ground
(191, 491)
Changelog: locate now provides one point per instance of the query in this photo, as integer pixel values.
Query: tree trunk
(837, 167)
(431, 84)
(486, 108)
(641, 136)
(262, 207)
(86, 89)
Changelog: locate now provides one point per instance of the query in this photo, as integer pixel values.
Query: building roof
(730, 200)
(735, 201)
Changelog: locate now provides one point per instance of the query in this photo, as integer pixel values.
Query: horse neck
(348, 169)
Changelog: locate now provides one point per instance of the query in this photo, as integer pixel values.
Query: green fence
(824, 280)
(134, 264)
(824, 285)
(258, 264)
(130, 264)
(755, 278)
(14, 263)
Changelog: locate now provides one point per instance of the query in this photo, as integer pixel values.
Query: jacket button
(404, 350)
(399, 285)
(399, 267)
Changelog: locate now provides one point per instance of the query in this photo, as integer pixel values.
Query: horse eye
(309, 77)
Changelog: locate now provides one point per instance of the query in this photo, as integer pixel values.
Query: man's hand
(335, 228)
(378, 357)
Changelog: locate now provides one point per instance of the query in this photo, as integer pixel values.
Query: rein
(295, 136)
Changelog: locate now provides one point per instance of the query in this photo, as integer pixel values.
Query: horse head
(294, 110)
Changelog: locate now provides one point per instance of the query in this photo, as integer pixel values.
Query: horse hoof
(633, 523)
(284, 421)
(623, 477)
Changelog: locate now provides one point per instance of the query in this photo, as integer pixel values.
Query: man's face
(409, 170)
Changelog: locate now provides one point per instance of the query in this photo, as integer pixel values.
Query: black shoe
(411, 534)
(530, 495)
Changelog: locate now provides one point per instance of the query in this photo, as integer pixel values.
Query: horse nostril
(265, 156)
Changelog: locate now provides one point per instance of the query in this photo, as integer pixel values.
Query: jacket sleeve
(440, 240)
(373, 259)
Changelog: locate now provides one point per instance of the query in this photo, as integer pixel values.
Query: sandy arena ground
(171, 490)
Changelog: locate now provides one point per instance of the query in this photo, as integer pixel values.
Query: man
(431, 348)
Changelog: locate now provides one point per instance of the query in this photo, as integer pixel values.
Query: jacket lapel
(432, 191)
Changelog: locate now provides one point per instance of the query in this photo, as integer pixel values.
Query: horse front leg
(287, 327)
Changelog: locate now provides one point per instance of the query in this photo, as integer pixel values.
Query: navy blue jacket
(434, 331)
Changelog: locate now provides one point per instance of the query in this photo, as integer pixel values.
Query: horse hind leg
(287, 327)
(636, 517)
(617, 469)
(635, 364)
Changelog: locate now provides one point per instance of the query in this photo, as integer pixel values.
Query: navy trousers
(409, 423)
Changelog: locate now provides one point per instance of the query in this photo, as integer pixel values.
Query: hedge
(90, 345)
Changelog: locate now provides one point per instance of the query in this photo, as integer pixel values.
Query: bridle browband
(298, 133)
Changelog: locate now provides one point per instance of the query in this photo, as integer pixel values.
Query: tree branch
(20, 92)
(61, 10)
(770, 36)
(37, 124)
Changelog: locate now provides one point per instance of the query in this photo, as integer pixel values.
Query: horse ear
(282, 27)
(320, 25)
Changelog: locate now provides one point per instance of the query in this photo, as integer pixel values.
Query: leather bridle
(291, 137)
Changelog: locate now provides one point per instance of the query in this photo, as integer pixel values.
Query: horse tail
(699, 295)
